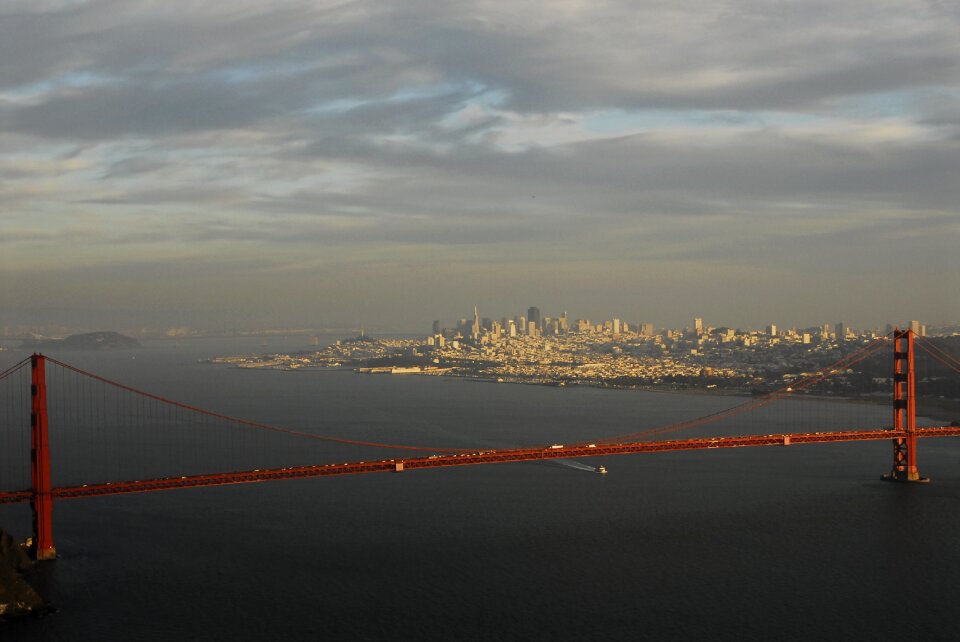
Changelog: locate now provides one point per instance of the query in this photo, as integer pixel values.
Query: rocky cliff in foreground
(16, 596)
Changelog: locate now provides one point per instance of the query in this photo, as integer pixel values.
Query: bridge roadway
(470, 459)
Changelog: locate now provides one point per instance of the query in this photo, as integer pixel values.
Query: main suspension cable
(249, 423)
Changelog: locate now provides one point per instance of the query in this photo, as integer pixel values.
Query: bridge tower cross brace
(904, 410)
(41, 501)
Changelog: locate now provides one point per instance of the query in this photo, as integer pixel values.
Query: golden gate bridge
(105, 456)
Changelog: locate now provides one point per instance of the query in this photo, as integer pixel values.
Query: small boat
(602, 470)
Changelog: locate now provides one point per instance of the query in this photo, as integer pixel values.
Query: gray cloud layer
(697, 154)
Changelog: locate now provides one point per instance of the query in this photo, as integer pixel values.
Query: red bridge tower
(904, 411)
(41, 502)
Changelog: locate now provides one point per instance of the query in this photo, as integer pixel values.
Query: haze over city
(249, 164)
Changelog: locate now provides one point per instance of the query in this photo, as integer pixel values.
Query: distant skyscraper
(841, 332)
(436, 327)
(698, 325)
(475, 330)
(915, 326)
(533, 316)
(772, 330)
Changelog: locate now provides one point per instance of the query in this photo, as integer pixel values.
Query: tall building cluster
(531, 324)
(535, 324)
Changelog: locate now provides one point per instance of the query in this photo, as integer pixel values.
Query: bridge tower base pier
(41, 502)
(915, 479)
(904, 411)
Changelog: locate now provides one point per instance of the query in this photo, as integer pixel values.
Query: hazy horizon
(54, 330)
(303, 164)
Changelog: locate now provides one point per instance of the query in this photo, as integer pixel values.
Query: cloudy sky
(249, 164)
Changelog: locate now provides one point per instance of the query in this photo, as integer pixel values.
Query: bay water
(797, 543)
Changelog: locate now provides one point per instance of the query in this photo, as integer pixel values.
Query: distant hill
(87, 341)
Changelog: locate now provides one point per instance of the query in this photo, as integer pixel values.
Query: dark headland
(17, 598)
(86, 341)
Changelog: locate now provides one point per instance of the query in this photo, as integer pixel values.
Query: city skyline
(537, 323)
(294, 163)
(477, 322)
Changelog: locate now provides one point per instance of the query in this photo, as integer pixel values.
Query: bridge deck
(470, 459)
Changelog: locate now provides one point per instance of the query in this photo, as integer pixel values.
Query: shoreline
(18, 598)
(947, 412)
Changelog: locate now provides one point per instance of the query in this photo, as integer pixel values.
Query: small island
(88, 341)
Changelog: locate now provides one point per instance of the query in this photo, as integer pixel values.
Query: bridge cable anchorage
(251, 424)
(753, 404)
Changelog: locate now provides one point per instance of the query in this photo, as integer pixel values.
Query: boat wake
(576, 465)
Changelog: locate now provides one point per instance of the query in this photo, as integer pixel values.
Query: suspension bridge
(100, 454)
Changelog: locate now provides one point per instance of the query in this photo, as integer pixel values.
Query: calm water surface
(774, 543)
